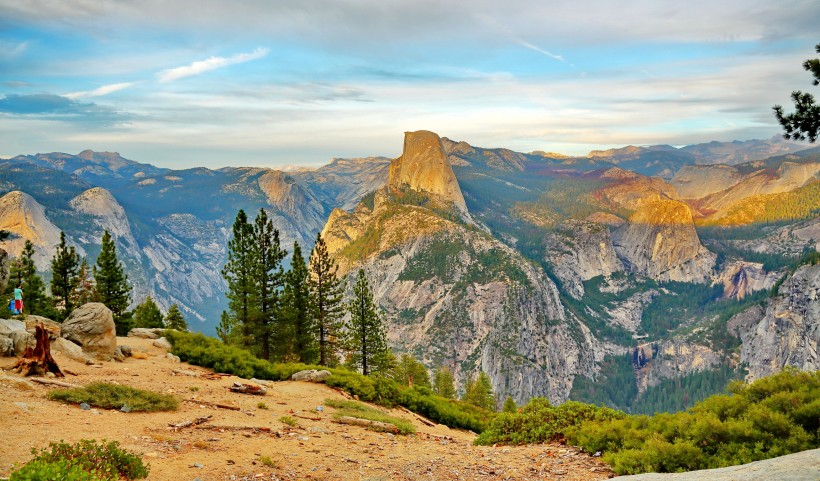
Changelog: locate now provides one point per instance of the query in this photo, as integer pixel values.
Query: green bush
(540, 422)
(209, 352)
(771, 417)
(360, 410)
(114, 396)
(83, 461)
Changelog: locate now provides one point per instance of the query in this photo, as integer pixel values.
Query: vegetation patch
(84, 461)
(114, 396)
(363, 411)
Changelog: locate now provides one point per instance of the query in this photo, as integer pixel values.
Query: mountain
(25, 219)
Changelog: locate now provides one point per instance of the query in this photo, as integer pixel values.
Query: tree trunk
(38, 361)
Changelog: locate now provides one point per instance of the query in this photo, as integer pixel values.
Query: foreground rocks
(803, 466)
(92, 327)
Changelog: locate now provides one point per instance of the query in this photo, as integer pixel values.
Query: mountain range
(602, 278)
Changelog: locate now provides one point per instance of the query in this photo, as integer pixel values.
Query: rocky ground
(252, 443)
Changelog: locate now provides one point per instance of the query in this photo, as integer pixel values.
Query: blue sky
(277, 83)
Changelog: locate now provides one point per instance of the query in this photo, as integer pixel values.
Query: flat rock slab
(804, 466)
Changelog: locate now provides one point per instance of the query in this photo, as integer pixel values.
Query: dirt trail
(315, 449)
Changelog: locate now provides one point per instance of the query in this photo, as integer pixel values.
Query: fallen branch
(421, 419)
(236, 428)
(213, 405)
(306, 417)
(195, 422)
(185, 372)
(214, 376)
(368, 424)
(43, 380)
(248, 389)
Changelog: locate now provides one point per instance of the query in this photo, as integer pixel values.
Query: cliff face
(787, 332)
(109, 215)
(740, 278)
(291, 198)
(423, 167)
(660, 241)
(25, 219)
(579, 251)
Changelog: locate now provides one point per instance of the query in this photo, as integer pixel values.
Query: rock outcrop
(787, 332)
(696, 181)
(14, 337)
(109, 215)
(288, 196)
(660, 241)
(579, 251)
(92, 327)
(741, 278)
(25, 219)
(424, 167)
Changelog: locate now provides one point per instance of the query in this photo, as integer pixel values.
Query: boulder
(146, 333)
(92, 327)
(52, 328)
(311, 375)
(162, 343)
(14, 338)
(69, 350)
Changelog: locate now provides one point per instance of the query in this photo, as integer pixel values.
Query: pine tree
(239, 274)
(479, 392)
(444, 383)
(296, 303)
(365, 337)
(226, 331)
(65, 267)
(85, 291)
(34, 295)
(509, 406)
(174, 319)
(148, 314)
(411, 372)
(326, 301)
(268, 279)
(112, 285)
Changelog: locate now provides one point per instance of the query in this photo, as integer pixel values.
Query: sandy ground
(228, 447)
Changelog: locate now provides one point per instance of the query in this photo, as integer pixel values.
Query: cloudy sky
(275, 83)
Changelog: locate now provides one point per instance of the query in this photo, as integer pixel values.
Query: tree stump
(38, 361)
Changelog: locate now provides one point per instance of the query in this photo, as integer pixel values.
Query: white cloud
(211, 63)
(98, 92)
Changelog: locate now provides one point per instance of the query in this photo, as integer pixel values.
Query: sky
(282, 83)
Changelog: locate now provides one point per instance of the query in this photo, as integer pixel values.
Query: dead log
(420, 419)
(248, 389)
(213, 405)
(306, 417)
(186, 424)
(380, 426)
(253, 429)
(52, 382)
(38, 361)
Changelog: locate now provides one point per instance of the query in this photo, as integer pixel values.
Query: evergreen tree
(444, 383)
(174, 319)
(65, 267)
(148, 314)
(509, 406)
(34, 295)
(268, 279)
(479, 392)
(225, 330)
(239, 274)
(365, 331)
(112, 285)
(326, 301)
(296, 302)
(411, 372)
(85, 291)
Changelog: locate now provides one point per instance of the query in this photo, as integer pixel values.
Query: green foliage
(509, 406)
(444, 383)
(436, 260)
(238, 272)
(326, 301)
(174, 319)
(296, 307)
(209, 352)
(681, 393)
(771, 417)
(478, 391)
(801, 203)
(684, 301)
(411, 372)
(65, 266)
(267, 324)
(148, 314)
(539, 422)
(615, 386)
(113, 289)
(365, 340)
(86, 290)
(83, 461)
(115, 396)
(363, 411)
(804, 122)
(289, 421)
(23, 273)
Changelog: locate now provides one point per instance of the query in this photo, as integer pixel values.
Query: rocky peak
(424, 167)
(25, 219)
(108, 213)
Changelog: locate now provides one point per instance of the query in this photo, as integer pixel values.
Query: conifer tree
(326, 301)
(174, 319)
(65, 267)
(410, 372)
(148, 314)
(365, 337)
(509, 405)
(296, 304)
(444, 383)
(479, 392)
(112, 285)
(85, 291)
(268, 279)
(34, 296)
(239, 274)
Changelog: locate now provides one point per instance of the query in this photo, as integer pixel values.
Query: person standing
(18, 299)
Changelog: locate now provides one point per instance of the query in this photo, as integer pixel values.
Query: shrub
(771, 417)
(114, 396)
(363, 411)
(83, 461)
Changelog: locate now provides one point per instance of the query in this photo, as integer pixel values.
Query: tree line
(74, 283)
